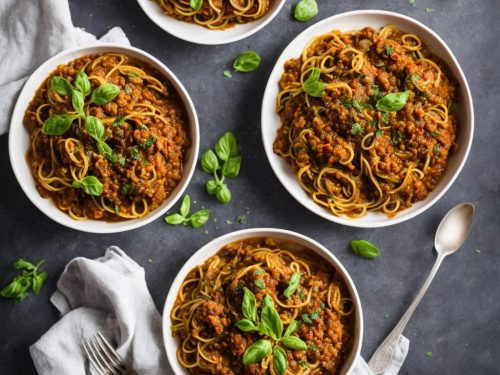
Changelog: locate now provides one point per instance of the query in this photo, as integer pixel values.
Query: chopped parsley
(436, 149)
(386, 117)
(120, 120)
(135, 153)
(306, 319)
(322, 305)
(144, 127)
(357, 129)
(429, 10)
(117, 208)
(314, 315)
(313, 148)
(132, 74)
(389, 50)
(413, 78)
(303, 364)
(119, 133)
(356, 104)
(435, 134)
(300, 293)
(377, 95)
(260, 284)
(241, 219)
(379, 133)
(128, 90)
(258, 271)
(227, 74)
(149, 142)
(312, 346)
(396, 138)
(428, 354)
(125, 189)
(229, 222)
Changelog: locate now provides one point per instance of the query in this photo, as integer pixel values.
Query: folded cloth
(31, 32)
(109, 295)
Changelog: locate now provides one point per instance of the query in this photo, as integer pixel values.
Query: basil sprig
(292, 285)
(270, 325)
(226, 149)
(305, 10)
(96, 130)
(364, 249)
(393, 102)
(19, 287)
(247, 61)
(196, 220)
(90, 185)
(312, 85)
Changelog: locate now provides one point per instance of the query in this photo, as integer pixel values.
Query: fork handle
(382, 358)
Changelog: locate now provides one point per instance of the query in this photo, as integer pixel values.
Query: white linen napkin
(32, 31)
(362, 368)
(109, 295)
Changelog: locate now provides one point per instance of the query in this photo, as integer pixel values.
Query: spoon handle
(382, 357)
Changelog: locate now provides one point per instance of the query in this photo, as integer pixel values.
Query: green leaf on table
(364, 249)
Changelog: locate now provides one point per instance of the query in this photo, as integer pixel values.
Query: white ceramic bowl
(198, 258)
(201, 35)
(354, 21)
(19, 140)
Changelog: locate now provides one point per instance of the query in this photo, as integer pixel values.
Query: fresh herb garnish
(104, 94)
(195, 4)
(386, 118)
(196, 220)
(413, 78)
(58, 124)
(306, 319)
(412, 2)
(247, 61)
(436, 149)
(19, 287)
(303, 364)
(435, 134)
(379, 133)
(357, 129)
(393, 102)
(428, 354)
(119, 121)
(364, 249)
(293, 284)
(258, 272)
(226, 149)
(260, 284)
(389, 50)
(271, 327)
(429, 10)
(312, 85)
(227, 74)
(135, 153)
(148, 142)
(305, 10)
(90, 185)
(125, 189)
(132, 74)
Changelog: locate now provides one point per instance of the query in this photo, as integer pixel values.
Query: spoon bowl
(454, 229)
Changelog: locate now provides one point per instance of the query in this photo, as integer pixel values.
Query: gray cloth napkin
(109, 295)
(32, 31)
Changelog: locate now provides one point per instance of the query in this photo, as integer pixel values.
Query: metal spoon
(450, 235)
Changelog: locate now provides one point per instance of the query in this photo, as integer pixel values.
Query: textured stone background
(459, 319)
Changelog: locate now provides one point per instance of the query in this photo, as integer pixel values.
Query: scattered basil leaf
(174, 219)
(227, 74)
(185, 206)
(209, 162)
(256, 352)
(58, 124)
(90, 185)
(292, 285)
(19, 287)
(60, 85)
(364, 249)
(247, 62)
(270, 319)
(82, 83)
(77, 101)
(95, 128)
(21, 264)
(249, 305)
(106, 151)
(232, 167)
(104, 94)
(196, 220)
(292, 327)
(305, 10)
(195, 4)
(246, 325)
(223, 194)
(199, 218)
(312, 84)
(293, 342)
(280, 361)
(211, 187)
(393, 102)
(226, 146)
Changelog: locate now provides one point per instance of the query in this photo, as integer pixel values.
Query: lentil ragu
(209, 306)
(137, 156)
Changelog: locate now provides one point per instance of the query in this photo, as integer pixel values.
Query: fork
(103, 358)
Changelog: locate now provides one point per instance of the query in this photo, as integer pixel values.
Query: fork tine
(93, 358)
(109, 367)
(109, 351)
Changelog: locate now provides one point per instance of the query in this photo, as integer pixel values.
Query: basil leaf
(246, 325)
(90, 185)
(364, 249)
(60, 85)
(104, 94)
(259, 350)
(95, 128)
(211, 187)
(293, 342)
(226, 146)
(247, 62)
(57, 124)
(78, 102)
(292, 327)
(199, 218)
(195, 4)
(280, 362)
(231, 167)
(104, 149)
(393, 102)
(249, 305)
(82, 82)
(174, 219)
(38, 281)
(185, 206)
(292, 285)
(209, 161)
(222, 193)
(270, 319)
(305, 10)
(312, 84)
(21, 264)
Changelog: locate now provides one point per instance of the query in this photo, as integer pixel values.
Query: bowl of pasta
(262, 300)
(367, 118)
(211, 22)
(103, 138)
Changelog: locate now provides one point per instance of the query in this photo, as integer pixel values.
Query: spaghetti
(209, 304)
(216, 14)
(349, 155)
(144, 135)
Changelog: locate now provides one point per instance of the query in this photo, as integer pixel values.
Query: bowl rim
(191, 37)
(440, 190)
(210, 248)
(25, 96)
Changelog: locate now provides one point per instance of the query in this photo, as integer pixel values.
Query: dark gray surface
(459, 319)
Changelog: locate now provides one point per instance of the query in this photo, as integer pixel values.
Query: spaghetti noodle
(210, 298)
(349, 155)
(144, 128)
